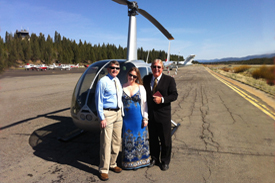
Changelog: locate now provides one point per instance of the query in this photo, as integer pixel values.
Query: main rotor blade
(125, 2)
(156, 23)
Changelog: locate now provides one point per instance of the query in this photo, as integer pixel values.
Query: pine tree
(92, 55)
(26, 47)
(2, 55)
(18, 42)
(35, 48)
(41, 42)
(76, 53)
(120, 52)
(81, 50)
(57, 37)
(48, 50)
(13, 55)
(8, 37)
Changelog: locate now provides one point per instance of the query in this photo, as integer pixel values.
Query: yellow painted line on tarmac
(245, 95)
(228, 83)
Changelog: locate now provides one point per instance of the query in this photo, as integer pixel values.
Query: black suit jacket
(161, 113)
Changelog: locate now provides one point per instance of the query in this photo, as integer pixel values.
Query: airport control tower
(22, 33)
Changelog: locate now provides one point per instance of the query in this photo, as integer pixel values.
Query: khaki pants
(110, 140)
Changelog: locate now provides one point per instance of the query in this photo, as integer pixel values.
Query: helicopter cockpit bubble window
(143, 71)
(83, 86)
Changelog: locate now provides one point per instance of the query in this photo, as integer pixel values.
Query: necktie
(117, 94)
(155, 85)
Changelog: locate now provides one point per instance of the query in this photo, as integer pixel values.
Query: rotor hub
(132, 8)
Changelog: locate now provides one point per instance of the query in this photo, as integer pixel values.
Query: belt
(110, 109)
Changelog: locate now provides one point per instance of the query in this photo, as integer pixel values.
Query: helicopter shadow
(79, 152)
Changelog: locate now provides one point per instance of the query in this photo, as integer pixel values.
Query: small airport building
(22, 33)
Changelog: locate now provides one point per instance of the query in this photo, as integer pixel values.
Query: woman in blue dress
(135, 145)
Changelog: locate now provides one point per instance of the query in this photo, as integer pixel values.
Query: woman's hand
(144, 123)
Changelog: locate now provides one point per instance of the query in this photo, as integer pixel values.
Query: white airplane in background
(52, 67)
(41, 67)
(171, 64)
(187, 61)
(29, 66)
(168, 64)
(63, 67)
(35, 67)
(60, 66)
(74, 66)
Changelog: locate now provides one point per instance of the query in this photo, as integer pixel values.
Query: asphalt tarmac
(222, 136)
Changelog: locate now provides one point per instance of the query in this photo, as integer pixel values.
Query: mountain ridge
(268, 55)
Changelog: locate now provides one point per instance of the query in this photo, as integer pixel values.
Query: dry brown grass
(246, 76)
(241, 68)
(226, 69)
(264, 72)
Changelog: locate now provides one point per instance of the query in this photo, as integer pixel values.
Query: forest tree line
(48, 50)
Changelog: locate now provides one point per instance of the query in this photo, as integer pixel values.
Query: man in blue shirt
(109, 108)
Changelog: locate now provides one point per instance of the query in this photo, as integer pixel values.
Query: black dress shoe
(164, 167)
(152, 163)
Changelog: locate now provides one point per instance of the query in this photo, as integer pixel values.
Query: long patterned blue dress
(135, 145)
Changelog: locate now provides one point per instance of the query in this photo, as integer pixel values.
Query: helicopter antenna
(133, 10)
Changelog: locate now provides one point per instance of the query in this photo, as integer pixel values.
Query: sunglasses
(117, 68)
(131, 75)
(159, 67)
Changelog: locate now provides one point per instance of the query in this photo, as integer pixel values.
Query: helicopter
(83, 108)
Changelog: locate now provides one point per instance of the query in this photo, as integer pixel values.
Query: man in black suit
(159, 109)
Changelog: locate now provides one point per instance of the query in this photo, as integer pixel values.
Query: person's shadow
(83, 148)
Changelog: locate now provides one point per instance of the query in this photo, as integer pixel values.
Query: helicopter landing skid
(69, 136)
(175, 127)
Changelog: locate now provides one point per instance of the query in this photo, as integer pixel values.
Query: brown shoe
(116, 169)
(104, 176)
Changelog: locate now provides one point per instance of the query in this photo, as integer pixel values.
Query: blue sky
(207, 28)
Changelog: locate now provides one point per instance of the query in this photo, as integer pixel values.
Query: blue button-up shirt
(105, 95)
